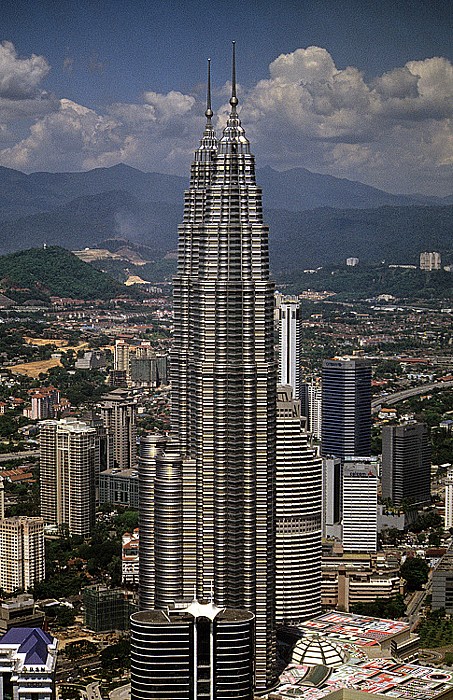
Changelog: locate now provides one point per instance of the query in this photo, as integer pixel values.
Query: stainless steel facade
(149, 446)
(223, 375)
(298, 544)
(199, 652)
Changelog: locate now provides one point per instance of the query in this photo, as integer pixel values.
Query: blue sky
(123, 80)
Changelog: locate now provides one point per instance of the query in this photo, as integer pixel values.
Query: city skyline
(344, 90)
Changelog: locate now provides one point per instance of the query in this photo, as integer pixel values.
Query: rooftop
(361, 630)
(30, 641)
(381, 677)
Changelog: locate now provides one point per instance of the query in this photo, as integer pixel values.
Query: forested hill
(40, 273)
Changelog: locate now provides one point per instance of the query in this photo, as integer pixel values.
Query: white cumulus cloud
(392, 131)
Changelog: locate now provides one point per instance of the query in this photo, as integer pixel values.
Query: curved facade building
(149, 446)
(168, 527)
(199, 652)
(299, 504)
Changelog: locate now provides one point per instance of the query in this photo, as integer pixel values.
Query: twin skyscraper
(214, 485)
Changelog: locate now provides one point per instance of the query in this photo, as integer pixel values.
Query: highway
(391, 399)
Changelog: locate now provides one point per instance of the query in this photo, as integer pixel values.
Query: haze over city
(350, 89)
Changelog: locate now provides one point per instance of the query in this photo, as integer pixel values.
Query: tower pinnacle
(209, 113)
(233, 99)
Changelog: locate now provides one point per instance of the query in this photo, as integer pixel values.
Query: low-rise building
(21, 611)
(107, 608)
(28, 658)
(130, 557)
(377, 637)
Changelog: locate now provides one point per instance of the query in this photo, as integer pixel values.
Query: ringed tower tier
(223, 376)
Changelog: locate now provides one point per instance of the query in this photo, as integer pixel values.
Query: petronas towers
(224, 380)
(213, 532)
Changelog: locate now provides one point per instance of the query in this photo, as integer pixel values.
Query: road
(390, 399)
(121, 693)
(93, 692)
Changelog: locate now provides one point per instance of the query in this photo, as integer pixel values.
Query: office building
(21, 611)
(28, 660)
(430, 261)
(351, 579)
(69, 468)
(298, 516)
(118, 412)
(346, 408)
(449, 499)
(119, 487)
(22, 560)
(289, 333)
(223, 374)
(442, 584)
(194, 653)
(107, 609)
(360, 485)
(332, 506)
(148, 371)
(406, 464)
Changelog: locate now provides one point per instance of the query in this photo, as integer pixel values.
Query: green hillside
(40, 273)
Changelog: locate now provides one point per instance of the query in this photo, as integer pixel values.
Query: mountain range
(313, 218)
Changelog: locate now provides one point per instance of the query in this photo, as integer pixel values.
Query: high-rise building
(198, 652)
(430, 261)
(314, 401)
(121, 355)
(150, 444)
(406, 464)
(22, 561)
(298, 516)
(346, 408)
(331, 496)
(449, 500)
(289, 333)
(118, 412)
(360, 486)
(69, 467)
(223, 374)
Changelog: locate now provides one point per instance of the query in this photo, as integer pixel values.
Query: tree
(65, 616)
(415, 571)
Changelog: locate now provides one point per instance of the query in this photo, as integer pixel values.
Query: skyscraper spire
(233, 99)
(209, 113)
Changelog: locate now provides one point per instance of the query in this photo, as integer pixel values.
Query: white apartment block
(449, 500)
(22, 560)
(69, 463)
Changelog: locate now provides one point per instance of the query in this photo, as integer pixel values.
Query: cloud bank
(394, 131)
